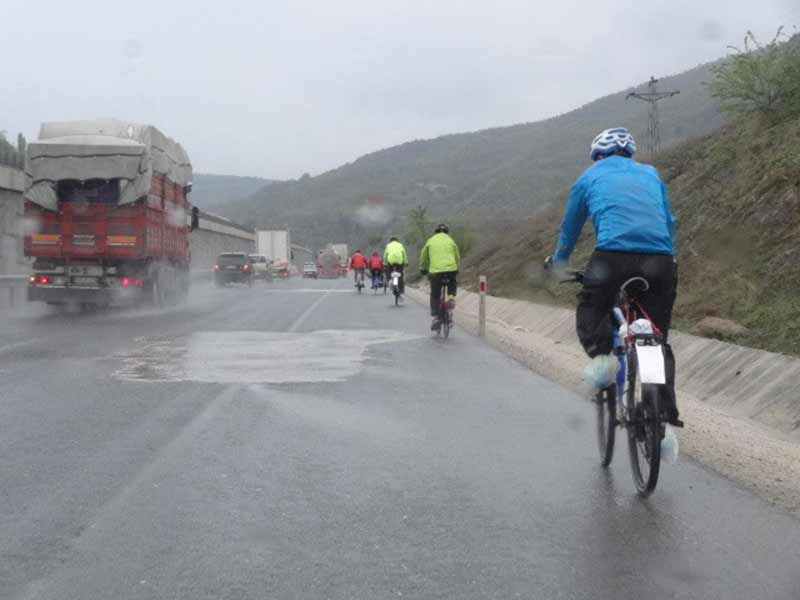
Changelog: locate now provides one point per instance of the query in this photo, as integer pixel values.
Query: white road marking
(16, 345)
(105, 521)
(302, 318)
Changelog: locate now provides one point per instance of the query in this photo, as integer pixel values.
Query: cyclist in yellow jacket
(439, 258)
(395, 259)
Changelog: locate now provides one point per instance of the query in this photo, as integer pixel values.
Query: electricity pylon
(652, 97)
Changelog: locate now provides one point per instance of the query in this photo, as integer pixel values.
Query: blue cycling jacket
(629, 207)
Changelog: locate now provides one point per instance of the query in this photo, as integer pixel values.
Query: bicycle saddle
(634, 286)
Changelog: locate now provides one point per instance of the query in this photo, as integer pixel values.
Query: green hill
(497, 174)
(218, 192)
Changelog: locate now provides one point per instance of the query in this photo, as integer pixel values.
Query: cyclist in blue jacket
(635, 231)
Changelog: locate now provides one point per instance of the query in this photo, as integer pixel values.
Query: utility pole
(652, 97)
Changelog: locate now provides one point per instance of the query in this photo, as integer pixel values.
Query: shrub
(762, 79)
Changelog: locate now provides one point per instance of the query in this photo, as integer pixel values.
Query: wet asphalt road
(282, 443)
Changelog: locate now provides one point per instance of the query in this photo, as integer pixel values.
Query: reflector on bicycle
(651, 364)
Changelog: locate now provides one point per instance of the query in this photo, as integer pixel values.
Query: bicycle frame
(623, 314)
(622, 371)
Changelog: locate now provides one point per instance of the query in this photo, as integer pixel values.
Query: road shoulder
(757, 457)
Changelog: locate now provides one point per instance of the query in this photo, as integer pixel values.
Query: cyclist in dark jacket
(635, 231)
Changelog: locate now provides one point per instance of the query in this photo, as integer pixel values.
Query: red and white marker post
(482, 289)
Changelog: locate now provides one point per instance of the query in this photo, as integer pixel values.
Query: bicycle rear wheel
(444, 311)
(645, 430)
(605, 402)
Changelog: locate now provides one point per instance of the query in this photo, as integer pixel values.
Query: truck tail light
(216, 267)
(137, 282)
(44, 279)
(121, 240)
(125, 282)
(245, 267)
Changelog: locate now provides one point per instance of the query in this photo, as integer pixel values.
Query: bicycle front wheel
(605, 402)
(644, 430)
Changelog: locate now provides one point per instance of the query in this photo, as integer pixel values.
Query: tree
(419, 226)
(763, 79)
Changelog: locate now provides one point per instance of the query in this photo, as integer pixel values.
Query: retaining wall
(206, 245)
(12, 262)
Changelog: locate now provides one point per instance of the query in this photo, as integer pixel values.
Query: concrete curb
(729, 418)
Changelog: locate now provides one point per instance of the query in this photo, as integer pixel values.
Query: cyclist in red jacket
(359, 264)
(376, 267)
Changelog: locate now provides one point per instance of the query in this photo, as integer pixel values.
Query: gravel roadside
(758, 458)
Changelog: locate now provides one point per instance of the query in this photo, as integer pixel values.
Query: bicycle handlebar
(576, 276)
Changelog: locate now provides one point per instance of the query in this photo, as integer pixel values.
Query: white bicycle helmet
(612, 140)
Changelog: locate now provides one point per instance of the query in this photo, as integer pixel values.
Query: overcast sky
(276, 89)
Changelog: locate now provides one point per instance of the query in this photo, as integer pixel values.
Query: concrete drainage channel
(741, 406)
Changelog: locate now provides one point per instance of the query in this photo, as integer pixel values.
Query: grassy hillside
(736, 196)
(217, 192)
(498, 174)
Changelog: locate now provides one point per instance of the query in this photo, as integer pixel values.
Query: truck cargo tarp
(104, 149)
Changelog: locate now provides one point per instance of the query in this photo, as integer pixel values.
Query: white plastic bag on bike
(641, 327)
(669, 447)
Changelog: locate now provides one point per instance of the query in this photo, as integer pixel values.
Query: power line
(652, 97)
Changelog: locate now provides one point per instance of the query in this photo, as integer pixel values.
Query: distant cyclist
(635, 231)
(359, 265)
(395, 259)
(439, 258)
(376, 269)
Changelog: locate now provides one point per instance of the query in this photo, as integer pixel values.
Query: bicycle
(394, 279)
(632, 401)
(445, 310)
(359, 280)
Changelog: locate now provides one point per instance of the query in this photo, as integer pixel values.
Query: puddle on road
(254, 356)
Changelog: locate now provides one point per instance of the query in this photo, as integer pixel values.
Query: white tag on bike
(651, 364)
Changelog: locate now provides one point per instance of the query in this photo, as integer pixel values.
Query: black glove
(423, 272)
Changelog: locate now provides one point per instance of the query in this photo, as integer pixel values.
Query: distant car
(262, 267)
(310, 270)
(233, 267)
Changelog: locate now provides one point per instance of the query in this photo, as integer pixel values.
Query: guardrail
(15, 286)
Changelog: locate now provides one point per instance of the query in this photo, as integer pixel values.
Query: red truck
(108, 215)
(328, 263)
